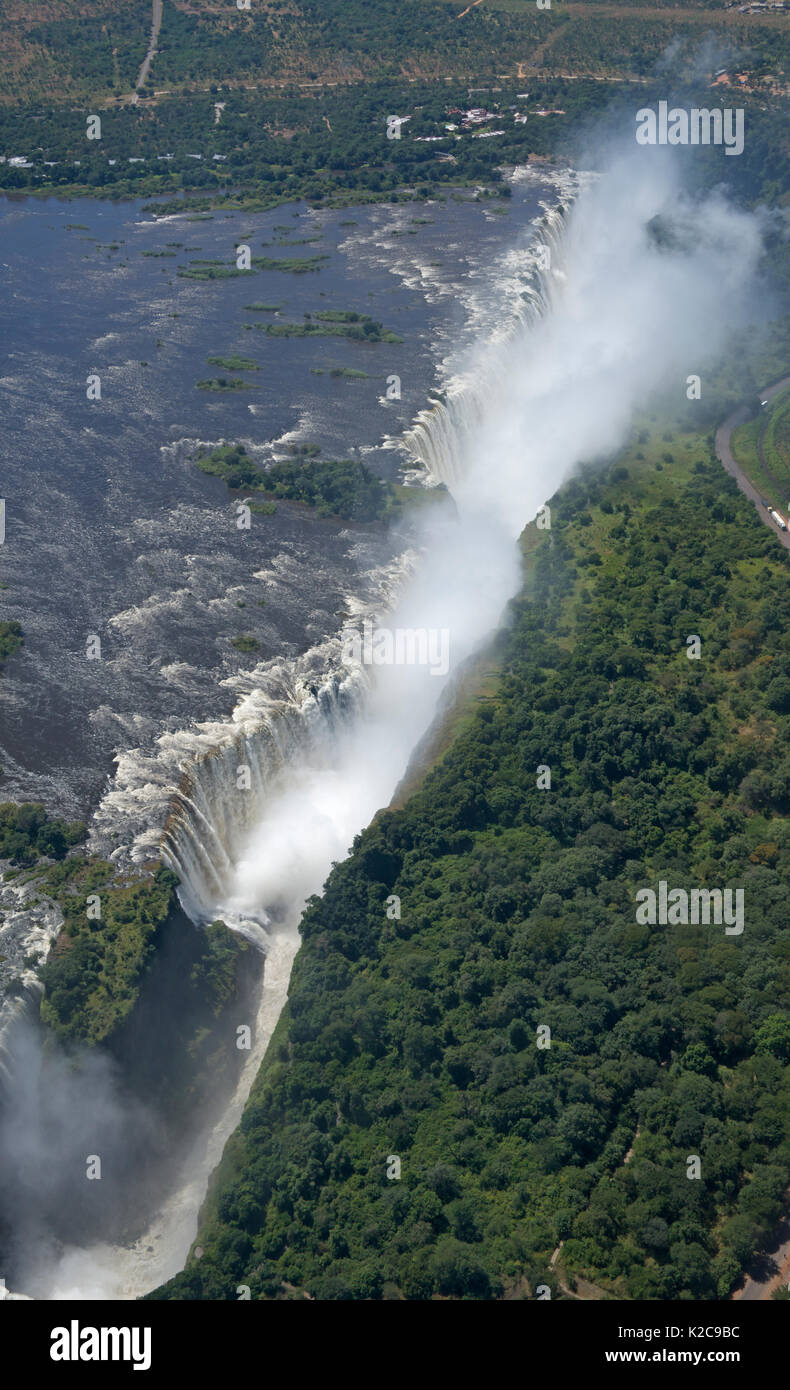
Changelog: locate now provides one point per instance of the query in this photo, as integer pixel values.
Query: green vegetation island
(343, 488)
(295, 265)
(333, 323)
(224, 383)
(235, 363)
(207, 271)
(11, 639)
(245, 642)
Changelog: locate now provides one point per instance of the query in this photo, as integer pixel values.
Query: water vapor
(642, 290)
(643, 284)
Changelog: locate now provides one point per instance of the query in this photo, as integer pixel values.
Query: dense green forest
(110, 981)
(93, 973)
(110, 922)
(331, 146)
(415, 1036)
(307, 91)
(128, 971)
(27, 832)
(71, 49)
(323, 145)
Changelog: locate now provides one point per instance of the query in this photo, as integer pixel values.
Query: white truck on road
(780, 521)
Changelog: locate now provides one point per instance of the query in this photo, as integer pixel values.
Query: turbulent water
(131, 543)
(253, 808)
(306, 715)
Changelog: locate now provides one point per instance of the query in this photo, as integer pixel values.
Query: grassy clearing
(746, 449)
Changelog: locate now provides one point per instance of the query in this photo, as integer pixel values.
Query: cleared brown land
(70, 49)
(42, 57)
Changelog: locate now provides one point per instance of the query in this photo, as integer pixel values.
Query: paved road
(156, 25)
(725, 454)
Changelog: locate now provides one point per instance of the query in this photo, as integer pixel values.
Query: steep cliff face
(476, 996)
(112, 925)
(183, 1044)
(132, 1072)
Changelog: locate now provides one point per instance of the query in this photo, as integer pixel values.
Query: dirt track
(156, 24)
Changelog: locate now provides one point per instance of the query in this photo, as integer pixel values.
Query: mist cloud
(645, 289)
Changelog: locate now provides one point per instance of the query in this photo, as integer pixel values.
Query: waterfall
(220, 798)
(193, 797)
(28, 927)
(211, 814)
(251, 812)
(321, 743)
(441, 438)
(15, 1016)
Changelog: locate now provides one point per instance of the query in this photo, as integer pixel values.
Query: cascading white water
(27, 929)
(212, 817)
(440, 437)
(207, 821)
(563, 387)
(312, 752)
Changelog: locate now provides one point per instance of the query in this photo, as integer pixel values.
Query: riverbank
(474, 856)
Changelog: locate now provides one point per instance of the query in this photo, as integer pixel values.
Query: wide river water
(114, 534)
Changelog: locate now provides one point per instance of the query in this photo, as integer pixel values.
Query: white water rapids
(613, 319)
